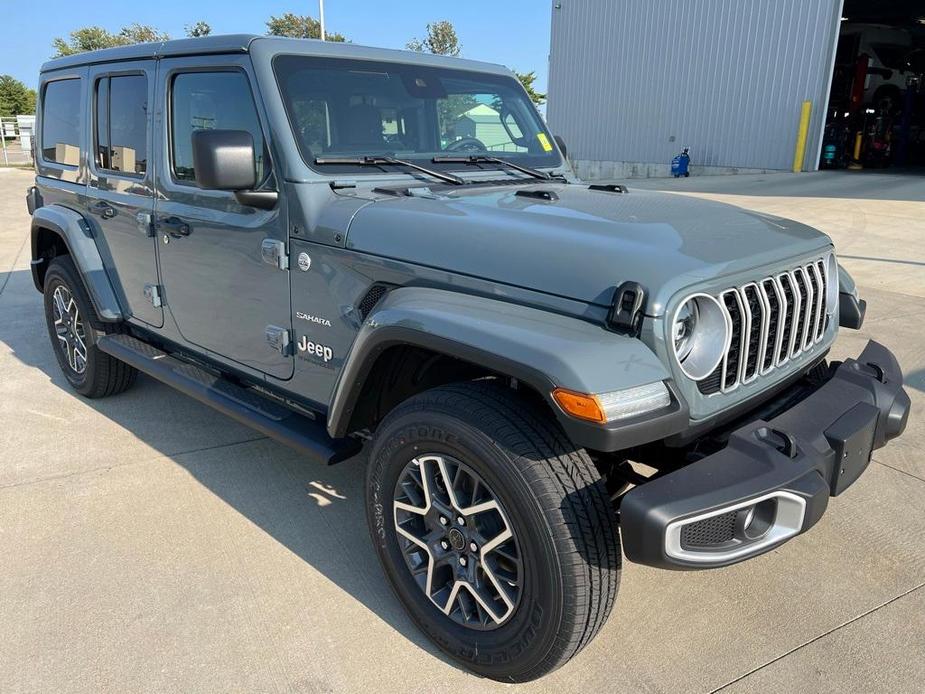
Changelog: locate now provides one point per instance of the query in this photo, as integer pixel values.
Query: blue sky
(513, 32)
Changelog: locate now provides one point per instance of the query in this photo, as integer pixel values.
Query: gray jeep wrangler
(348, 247)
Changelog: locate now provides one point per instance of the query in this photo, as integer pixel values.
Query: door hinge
(279, 339)
(145, 222)
(274, 253)
(153, 294)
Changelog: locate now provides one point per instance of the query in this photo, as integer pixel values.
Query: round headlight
(831, 284)
(699, 333)
(682, 330)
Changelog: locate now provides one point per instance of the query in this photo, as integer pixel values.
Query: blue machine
(680, 163)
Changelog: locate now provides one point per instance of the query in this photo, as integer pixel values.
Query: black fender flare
(77, 236)
(544, 350)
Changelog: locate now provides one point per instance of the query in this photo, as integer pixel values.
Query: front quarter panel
(543, 349)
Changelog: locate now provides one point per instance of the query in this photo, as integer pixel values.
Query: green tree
(527, 79)
(93, 38)
(297, 26)
(198, 29)
(441, 39)
(85, 39)
(15, 97)
(141, 33)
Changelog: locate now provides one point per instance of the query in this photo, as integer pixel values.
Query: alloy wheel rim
(457, 541)
(69, 329)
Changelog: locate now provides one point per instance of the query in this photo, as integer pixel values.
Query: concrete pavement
(150, 544)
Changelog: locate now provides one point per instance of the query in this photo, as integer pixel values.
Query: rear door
(120, 196)
(221, 291)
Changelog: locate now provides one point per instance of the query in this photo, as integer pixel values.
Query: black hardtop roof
(243, 43)
(231, 43)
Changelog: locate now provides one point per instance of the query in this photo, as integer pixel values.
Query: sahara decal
(313, 319)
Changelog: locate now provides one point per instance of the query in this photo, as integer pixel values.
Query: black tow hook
(779, 440)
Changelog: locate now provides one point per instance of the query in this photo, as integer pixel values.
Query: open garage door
(876, 112)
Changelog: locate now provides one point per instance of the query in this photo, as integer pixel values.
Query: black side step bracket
(302, 433)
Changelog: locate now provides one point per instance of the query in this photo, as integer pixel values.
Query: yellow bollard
(855, 163)
(800, 152)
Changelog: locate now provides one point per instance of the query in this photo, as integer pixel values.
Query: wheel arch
(59, 230)
(403, 362)
(540, 349)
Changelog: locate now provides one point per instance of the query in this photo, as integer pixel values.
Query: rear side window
(61, 122)
(122, 124)
(207, 101)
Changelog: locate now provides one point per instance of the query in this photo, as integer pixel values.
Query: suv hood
(581, 246)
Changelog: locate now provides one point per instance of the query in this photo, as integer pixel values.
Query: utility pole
(321, 19)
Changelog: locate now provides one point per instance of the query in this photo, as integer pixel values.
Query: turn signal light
(579, 405)
(615, 405)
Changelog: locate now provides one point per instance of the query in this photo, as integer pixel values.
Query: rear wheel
(71, 320)
(495, 532)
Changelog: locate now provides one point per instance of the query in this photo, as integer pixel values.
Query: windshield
(356, 108)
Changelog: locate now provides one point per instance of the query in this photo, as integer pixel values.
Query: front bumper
(773, 479)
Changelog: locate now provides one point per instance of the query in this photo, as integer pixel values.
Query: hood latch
(627, 309)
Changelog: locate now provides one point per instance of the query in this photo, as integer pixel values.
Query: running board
(302, 433)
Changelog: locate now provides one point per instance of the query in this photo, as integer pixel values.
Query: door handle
(103, 209)
(174, 227)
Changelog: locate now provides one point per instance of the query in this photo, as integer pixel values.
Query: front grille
(772, 321)
(710, 532)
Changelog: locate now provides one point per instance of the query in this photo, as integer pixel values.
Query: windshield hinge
(341, 183)
(273, 252)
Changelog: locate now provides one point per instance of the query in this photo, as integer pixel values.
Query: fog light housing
(614, 406)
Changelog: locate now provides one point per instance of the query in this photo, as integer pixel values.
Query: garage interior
(876, 112)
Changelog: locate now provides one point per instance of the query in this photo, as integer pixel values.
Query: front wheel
(70, 317)
(495, 532)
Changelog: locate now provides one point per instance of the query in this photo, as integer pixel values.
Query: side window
(61, 122)
(122, 124)
(211, 100)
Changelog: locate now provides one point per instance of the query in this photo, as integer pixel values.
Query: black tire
(97, 374)
(559, 512)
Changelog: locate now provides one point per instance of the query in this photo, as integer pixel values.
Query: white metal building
(633, 81)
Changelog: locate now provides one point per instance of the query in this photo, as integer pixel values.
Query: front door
(120, 196)
(222, 293)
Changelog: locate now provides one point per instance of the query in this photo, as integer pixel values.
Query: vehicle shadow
(316, 512)
(916, 380)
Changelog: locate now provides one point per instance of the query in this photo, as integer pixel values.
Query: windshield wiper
(484, 158)
(379, 160)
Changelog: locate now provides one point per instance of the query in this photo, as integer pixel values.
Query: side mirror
(225, 160)
(561, 143)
